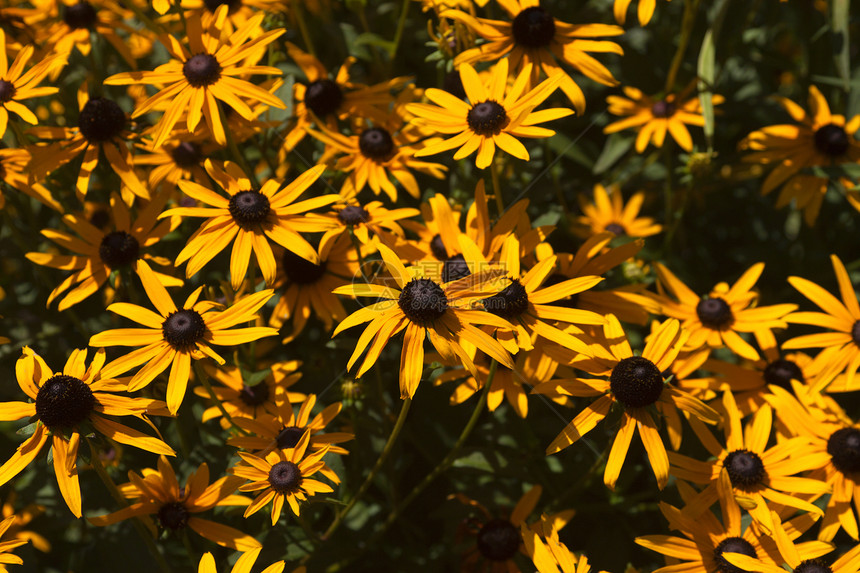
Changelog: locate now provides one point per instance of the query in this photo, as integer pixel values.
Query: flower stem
(234, 149)
(398, 35)
(386, 451)
(204, 379)
(687, 23)
(497, 190)
(298, 10)
(96, 462)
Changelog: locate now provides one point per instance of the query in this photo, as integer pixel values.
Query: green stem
(497, 190)
(204, 379)
(688, 21)
(357, 247)
(96, 462)
(398, 35)
(303, 27)
(670, 217)
(386, 451)
(234, 149)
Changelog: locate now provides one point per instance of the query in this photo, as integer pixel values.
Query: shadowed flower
(609, 213)
(242, 565)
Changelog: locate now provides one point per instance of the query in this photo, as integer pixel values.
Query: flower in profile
(816, 139)
(609, 213)
(283, 475)
(15, 169)
(242, 565)
(840, 346)
(645, 11)
(158, 493)
(174, 337)
(24, 517)
(378, 152)
(7, 558)
(535, 40)
(100, 252)
(242, 400)
(101, 131)
(655, 117)
(195, 80)
(17, 85)
(424, 308)
(496, 116)
(715, 321)
(252, 217)
(67, 404)
(634, 382)
(756, 474)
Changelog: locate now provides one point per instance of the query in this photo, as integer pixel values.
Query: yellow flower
(496, 114)
(609, 213)
(173, 337)
(67, 404)
(194, 81)
(644, 12)
(242, 565)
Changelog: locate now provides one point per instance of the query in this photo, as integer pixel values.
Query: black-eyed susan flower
(608, 212)
(817, 139)
(378, 152)
(715, 320)
(14, 165)
(157, 493)
(368, 219)
(243, 564)
(832, 432)
(180, 157)
(241, 400)
(284, 430)
(634, 382)
(656, 117)
(283, 475)
(175, 336)
(196, 79)
(20, 528)
(840, 346)
(101, 131)
(645, 10)
(7, 558)
(17, 85)
(496, 115)
(756, 473)
(252, 217)
(67, 404)
(307, 288)
(424, 308)
(548, 553)
(100, 252)
(535, 40)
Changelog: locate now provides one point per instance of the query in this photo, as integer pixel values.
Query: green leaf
(367, 39)
(839, 20)
(254, 378)
(616, 146)
(706, 70)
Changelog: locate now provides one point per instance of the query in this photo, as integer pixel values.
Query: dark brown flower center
(636, 382)
(663, 109)
(715, 313)
(843, 445)
(184, 328)
(437, 247)
(64, 402)
(300, 270)
(533, 28)
(498, 540)
(79, 16)
(7, 91)
(422, 301)
(616, 228)
(781, 372)
(732, 545)
(745, 468)
(173, 516)
(186, 154)
(455, 268)
(376, 143)
(813, 566)
(855, 333)
(323, 97)
(255, 395)
(100, 218)
(487, 118)
(285, 477)
(831, 140)
(510, 303)
(119, 249)
(453, 84)
(249, 209)
(202, 70)
(213, 5)
(101, 120)
(289, 437)
(353, 215)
